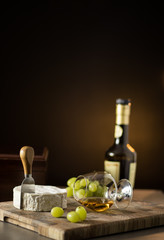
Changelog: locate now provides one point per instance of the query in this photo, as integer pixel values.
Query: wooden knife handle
(27, 156)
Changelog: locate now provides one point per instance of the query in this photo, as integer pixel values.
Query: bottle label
(132, 173)
(118, 131)
(113, 168)
(122, 114)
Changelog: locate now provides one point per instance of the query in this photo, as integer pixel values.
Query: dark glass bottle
(120, 158)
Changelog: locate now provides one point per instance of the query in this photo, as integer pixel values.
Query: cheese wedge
(44, 198)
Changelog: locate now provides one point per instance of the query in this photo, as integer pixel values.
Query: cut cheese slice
(44, 198)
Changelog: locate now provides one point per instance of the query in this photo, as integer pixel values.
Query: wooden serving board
(138, 215)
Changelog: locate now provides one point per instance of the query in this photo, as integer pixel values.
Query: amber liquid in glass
(98, 204)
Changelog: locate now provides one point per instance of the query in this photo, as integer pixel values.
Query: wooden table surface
(12, 232)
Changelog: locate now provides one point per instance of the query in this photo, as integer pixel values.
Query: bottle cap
(123, 101)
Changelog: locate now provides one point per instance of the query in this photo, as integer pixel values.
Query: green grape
(71, 181)
(82, 212)
(73, 217)
(96, 182)
(99, 192)
(57, 212)
(89, 194)
(92, 187)
(82, 183)
(77, 185)
(71, 185)
(69, 192)
(80, 193)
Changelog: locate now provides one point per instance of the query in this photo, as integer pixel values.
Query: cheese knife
(28, 184)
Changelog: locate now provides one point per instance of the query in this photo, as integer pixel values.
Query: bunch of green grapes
(78, 215)
(94, 188)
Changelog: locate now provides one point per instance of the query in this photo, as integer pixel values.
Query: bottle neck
(122, 123)
(121, 134)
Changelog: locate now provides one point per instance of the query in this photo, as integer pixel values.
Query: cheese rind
(44, 198)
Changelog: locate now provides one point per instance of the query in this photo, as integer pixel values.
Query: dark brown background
(62, 68)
